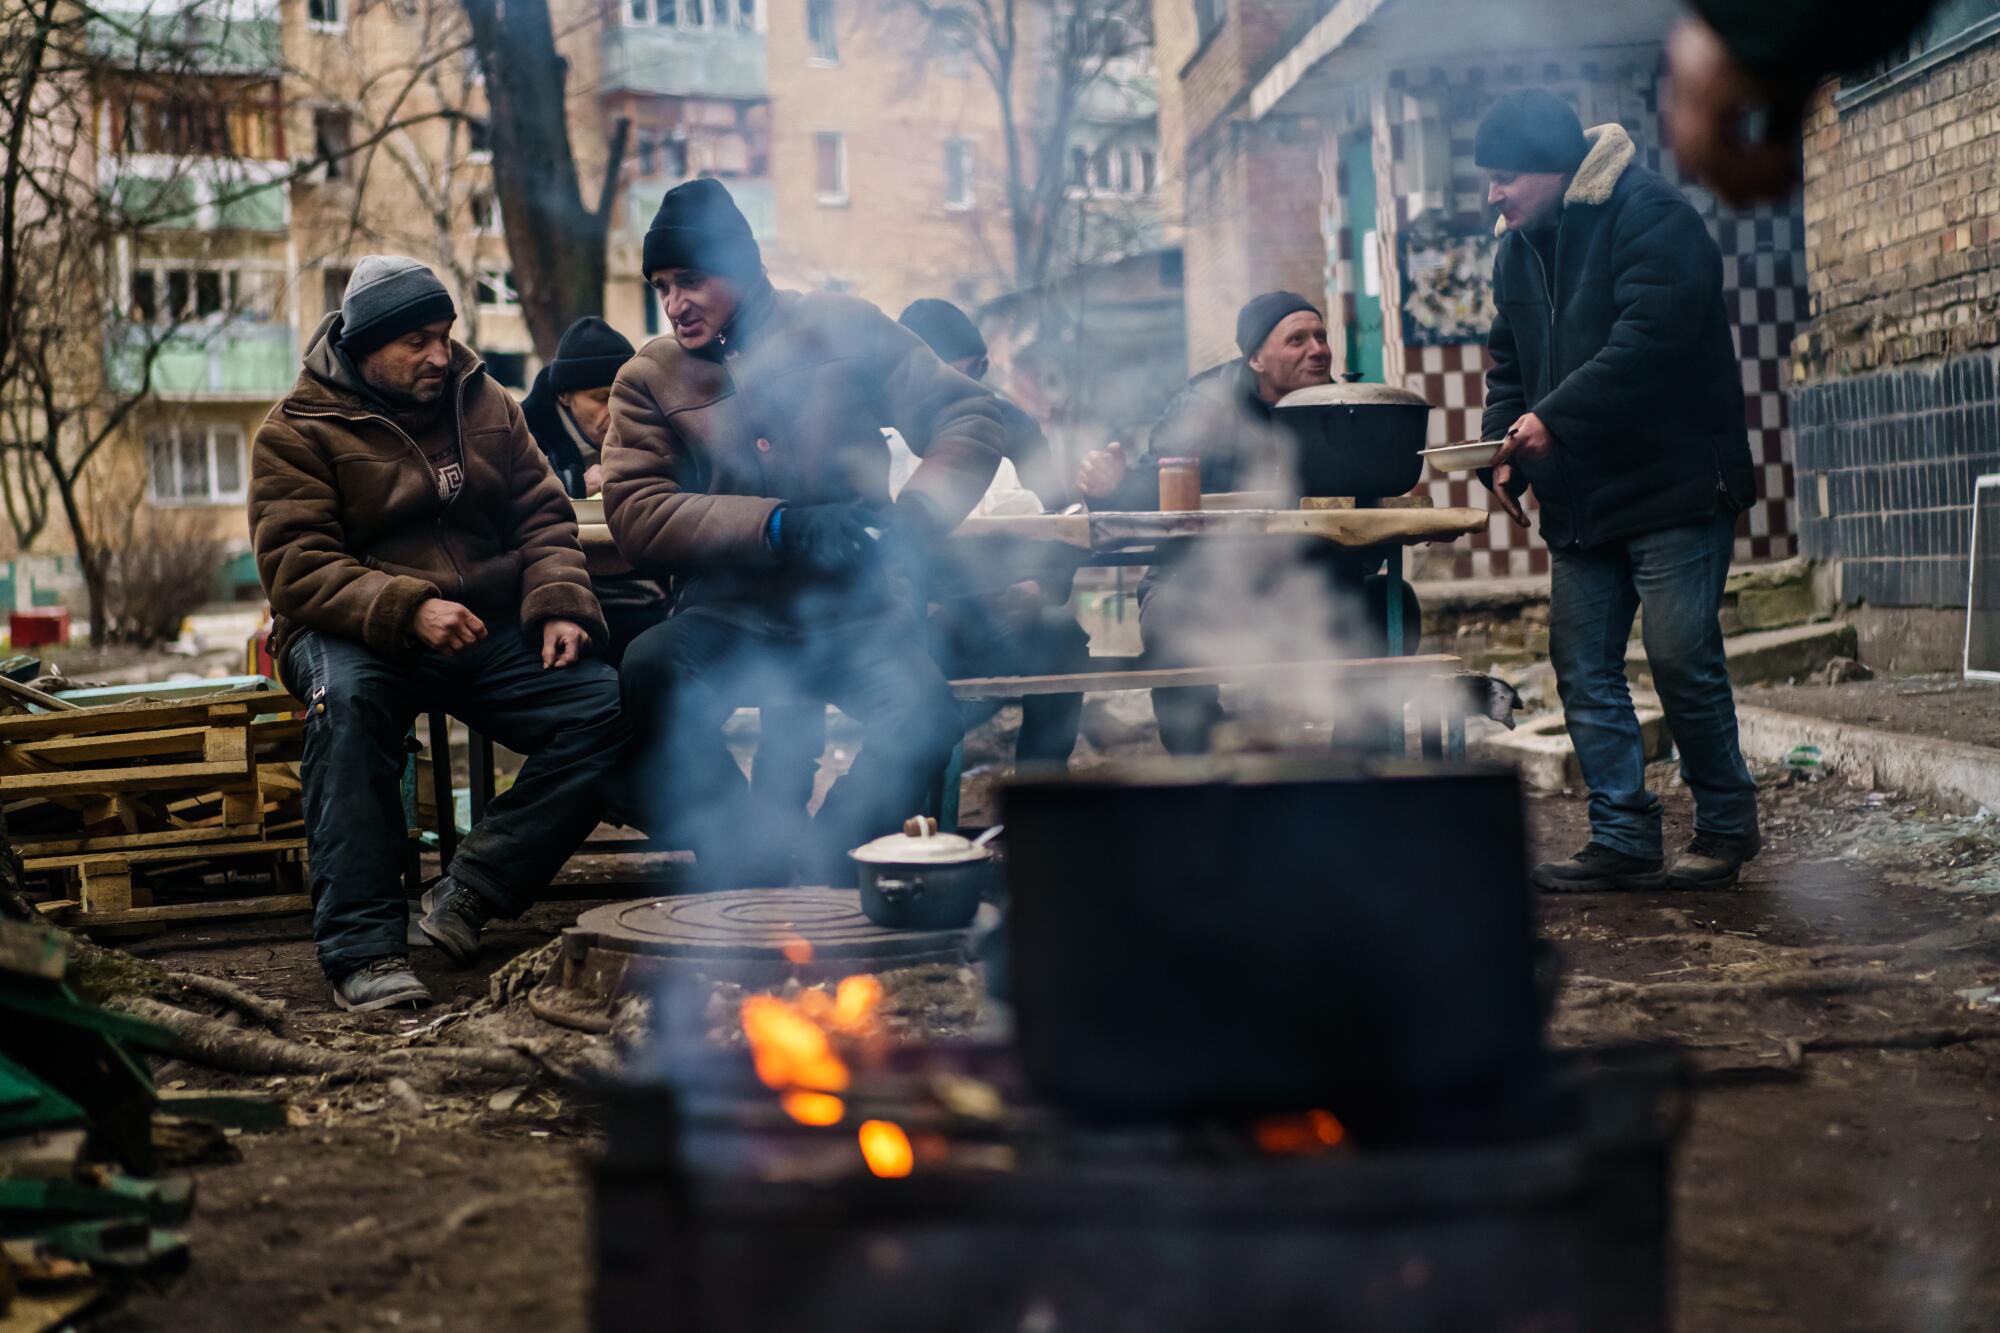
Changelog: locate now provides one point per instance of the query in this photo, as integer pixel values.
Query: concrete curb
(1885, 760)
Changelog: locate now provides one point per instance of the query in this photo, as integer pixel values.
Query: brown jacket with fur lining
(787, 408)
(351, 536)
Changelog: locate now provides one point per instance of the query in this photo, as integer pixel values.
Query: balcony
(757, 197)
(167, 193)
(168, 37)
(683, 62)
(235, 361)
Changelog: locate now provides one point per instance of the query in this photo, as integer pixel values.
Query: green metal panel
(244, 359)
(242, 208)
(153, 202)
(686, 63)
(168, 40)
(1364, 332)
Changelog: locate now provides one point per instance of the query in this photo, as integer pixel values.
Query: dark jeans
(1200, 614)
(970, 637)
(682, 680)
(1678, 576)
(360, 707)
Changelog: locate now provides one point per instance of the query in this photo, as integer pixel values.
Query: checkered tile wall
(1763, 270)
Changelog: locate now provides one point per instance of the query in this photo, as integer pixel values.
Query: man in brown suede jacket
(419, 553)
(746, 462)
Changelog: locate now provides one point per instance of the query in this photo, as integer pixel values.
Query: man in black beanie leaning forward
(569, 410)
(1616, 388)
(746, 461)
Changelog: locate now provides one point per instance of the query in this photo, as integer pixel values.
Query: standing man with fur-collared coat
(1616, 387)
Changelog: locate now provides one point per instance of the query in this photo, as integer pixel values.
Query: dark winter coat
(554, 438)
(788, 407)
(1219, 421)
(571, 454)
(1618, 341)
(350, 533)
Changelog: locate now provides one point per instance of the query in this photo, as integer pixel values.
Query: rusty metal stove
(714, 1212)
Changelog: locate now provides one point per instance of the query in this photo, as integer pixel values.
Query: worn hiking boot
(1712, 861)
(380, 984)
(1598, 869)
(454, 920)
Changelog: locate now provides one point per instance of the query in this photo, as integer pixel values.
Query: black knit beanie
(948, 330)
(589, 356)
(1530, 130)
(700, 227)
(1256, 320)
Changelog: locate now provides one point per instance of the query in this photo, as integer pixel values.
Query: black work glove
(829, 540)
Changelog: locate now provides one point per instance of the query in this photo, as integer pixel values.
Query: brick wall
(1895, 394)
(1249, 194)
(1252, 225)
(893, 239)
(1902, 209)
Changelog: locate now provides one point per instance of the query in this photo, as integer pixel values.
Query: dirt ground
(1841, 1169)
(1946, 707)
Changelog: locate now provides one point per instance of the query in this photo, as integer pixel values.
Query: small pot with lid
(921, 878)
(1353, 439)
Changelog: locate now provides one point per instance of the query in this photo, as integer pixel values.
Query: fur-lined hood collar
(1611, 151)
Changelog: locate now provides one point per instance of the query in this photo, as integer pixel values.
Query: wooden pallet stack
(108, 802)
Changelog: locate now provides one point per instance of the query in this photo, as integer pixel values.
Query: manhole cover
(758, 937)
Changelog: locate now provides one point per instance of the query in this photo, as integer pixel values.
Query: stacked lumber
(106, 802)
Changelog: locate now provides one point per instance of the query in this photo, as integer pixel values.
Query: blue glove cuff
(774, 531)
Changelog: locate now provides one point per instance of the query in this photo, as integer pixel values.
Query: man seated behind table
(418, 553)
(746, 461)
(1226, 420)
(1003, 607)
(569, 411)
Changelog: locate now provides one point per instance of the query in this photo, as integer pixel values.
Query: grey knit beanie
(387, 297)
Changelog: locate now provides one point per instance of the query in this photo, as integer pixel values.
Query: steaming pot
(1356, 439)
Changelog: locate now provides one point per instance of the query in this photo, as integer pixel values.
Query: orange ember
(813, 1108)
(797, 951)
(886, 1149)
(855, 1002)
(1299, 1135)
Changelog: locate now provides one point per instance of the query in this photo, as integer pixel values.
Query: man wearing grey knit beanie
(419, 554)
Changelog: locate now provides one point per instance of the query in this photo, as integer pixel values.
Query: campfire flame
(1305, 1135)
(791, 1044)
(813, 1108)
(886, 1149)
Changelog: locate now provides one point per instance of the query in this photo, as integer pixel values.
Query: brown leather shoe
(1712, 861)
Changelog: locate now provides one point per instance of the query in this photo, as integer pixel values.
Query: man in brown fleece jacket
(418, 552)
(746, 463)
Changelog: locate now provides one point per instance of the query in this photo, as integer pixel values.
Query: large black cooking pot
(1356, 439)
(1269, 934)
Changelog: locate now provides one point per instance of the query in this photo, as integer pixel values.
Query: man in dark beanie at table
(568, 409)
(1002, 605)
(1226, 421)
(746, 462)
(1616, 389)
(419, 554)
